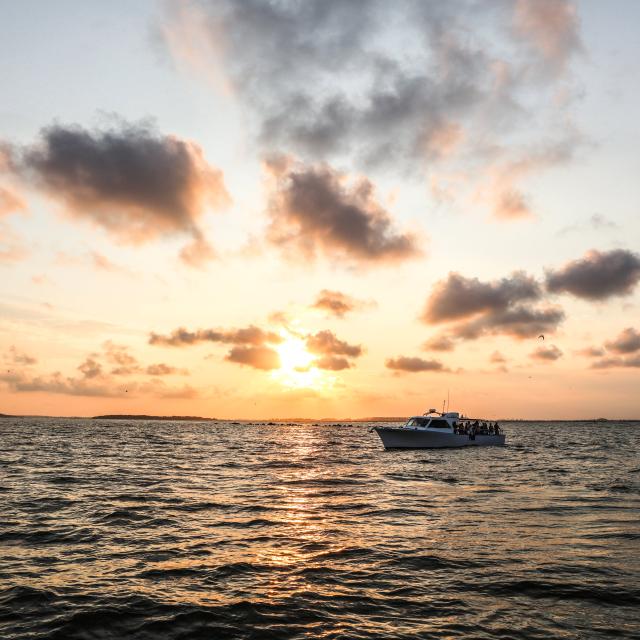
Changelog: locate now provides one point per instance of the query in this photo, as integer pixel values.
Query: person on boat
(496, 429)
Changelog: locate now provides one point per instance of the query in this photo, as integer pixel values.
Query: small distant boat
(435, 430)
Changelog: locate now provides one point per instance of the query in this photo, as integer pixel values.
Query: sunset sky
(322, 209)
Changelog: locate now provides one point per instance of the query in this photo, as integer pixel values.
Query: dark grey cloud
(349, 86)
(250, 335)
(472, 308)
(546, 354)
(518, 322)
(407, 85)
(627, 342)
(131, 180)
(262, 357)
(312, 210)
(414, 365)
(597, 276)
(336, 303)
(459, 297)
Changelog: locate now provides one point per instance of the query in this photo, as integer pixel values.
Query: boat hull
(399, 438)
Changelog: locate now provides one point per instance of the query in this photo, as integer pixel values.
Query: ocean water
(144, 530)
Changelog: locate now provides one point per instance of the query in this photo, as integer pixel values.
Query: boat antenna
(447, 400)
(443, 406)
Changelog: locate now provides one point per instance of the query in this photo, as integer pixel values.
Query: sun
(297, 368)
(294, 355)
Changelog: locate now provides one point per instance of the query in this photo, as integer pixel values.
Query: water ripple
(185, 530)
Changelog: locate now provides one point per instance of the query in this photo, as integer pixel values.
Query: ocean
(186, 530)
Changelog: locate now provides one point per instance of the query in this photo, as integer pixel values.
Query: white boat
(434, 430)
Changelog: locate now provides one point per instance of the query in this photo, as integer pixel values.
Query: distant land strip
(306, 420)
(145, 417)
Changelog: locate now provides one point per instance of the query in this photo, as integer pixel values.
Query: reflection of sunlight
(297, 369)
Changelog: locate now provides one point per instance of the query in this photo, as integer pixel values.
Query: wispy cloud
(546, 354)
(337, 304)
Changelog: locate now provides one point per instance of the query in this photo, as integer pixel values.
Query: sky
(321, 209)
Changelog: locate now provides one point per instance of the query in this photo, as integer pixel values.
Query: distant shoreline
(143, 417)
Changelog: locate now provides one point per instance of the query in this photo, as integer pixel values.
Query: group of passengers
(476, 428)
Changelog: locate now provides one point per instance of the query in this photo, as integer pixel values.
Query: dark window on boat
(439, 424)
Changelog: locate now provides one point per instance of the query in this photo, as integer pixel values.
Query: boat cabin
(439, 421)
(451, 422)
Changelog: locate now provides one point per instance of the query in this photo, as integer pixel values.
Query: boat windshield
(418, 422)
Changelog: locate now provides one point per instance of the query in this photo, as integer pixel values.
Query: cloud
(414, 365)
(197, 253)
(94, 381)
(90, 368)
(20, 358)
(467, 75)
(439, 343)
(250, 344)
(332, 363)
(58, 384)
(497, 358)
(615, 363)
(118, 354)
(250, 335)
(596, 221)
(503, 307)
(518, 322)
(132, 181)
(162, 369)
(101, 263)
(552, 27)
(326, 343)
(336, 303)
(500, 183)
(546, 354)
(459, 297)
(627, 342)
(591, 352)
(597, 276)
(313, 209)
(262, 357)
(10, 200)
